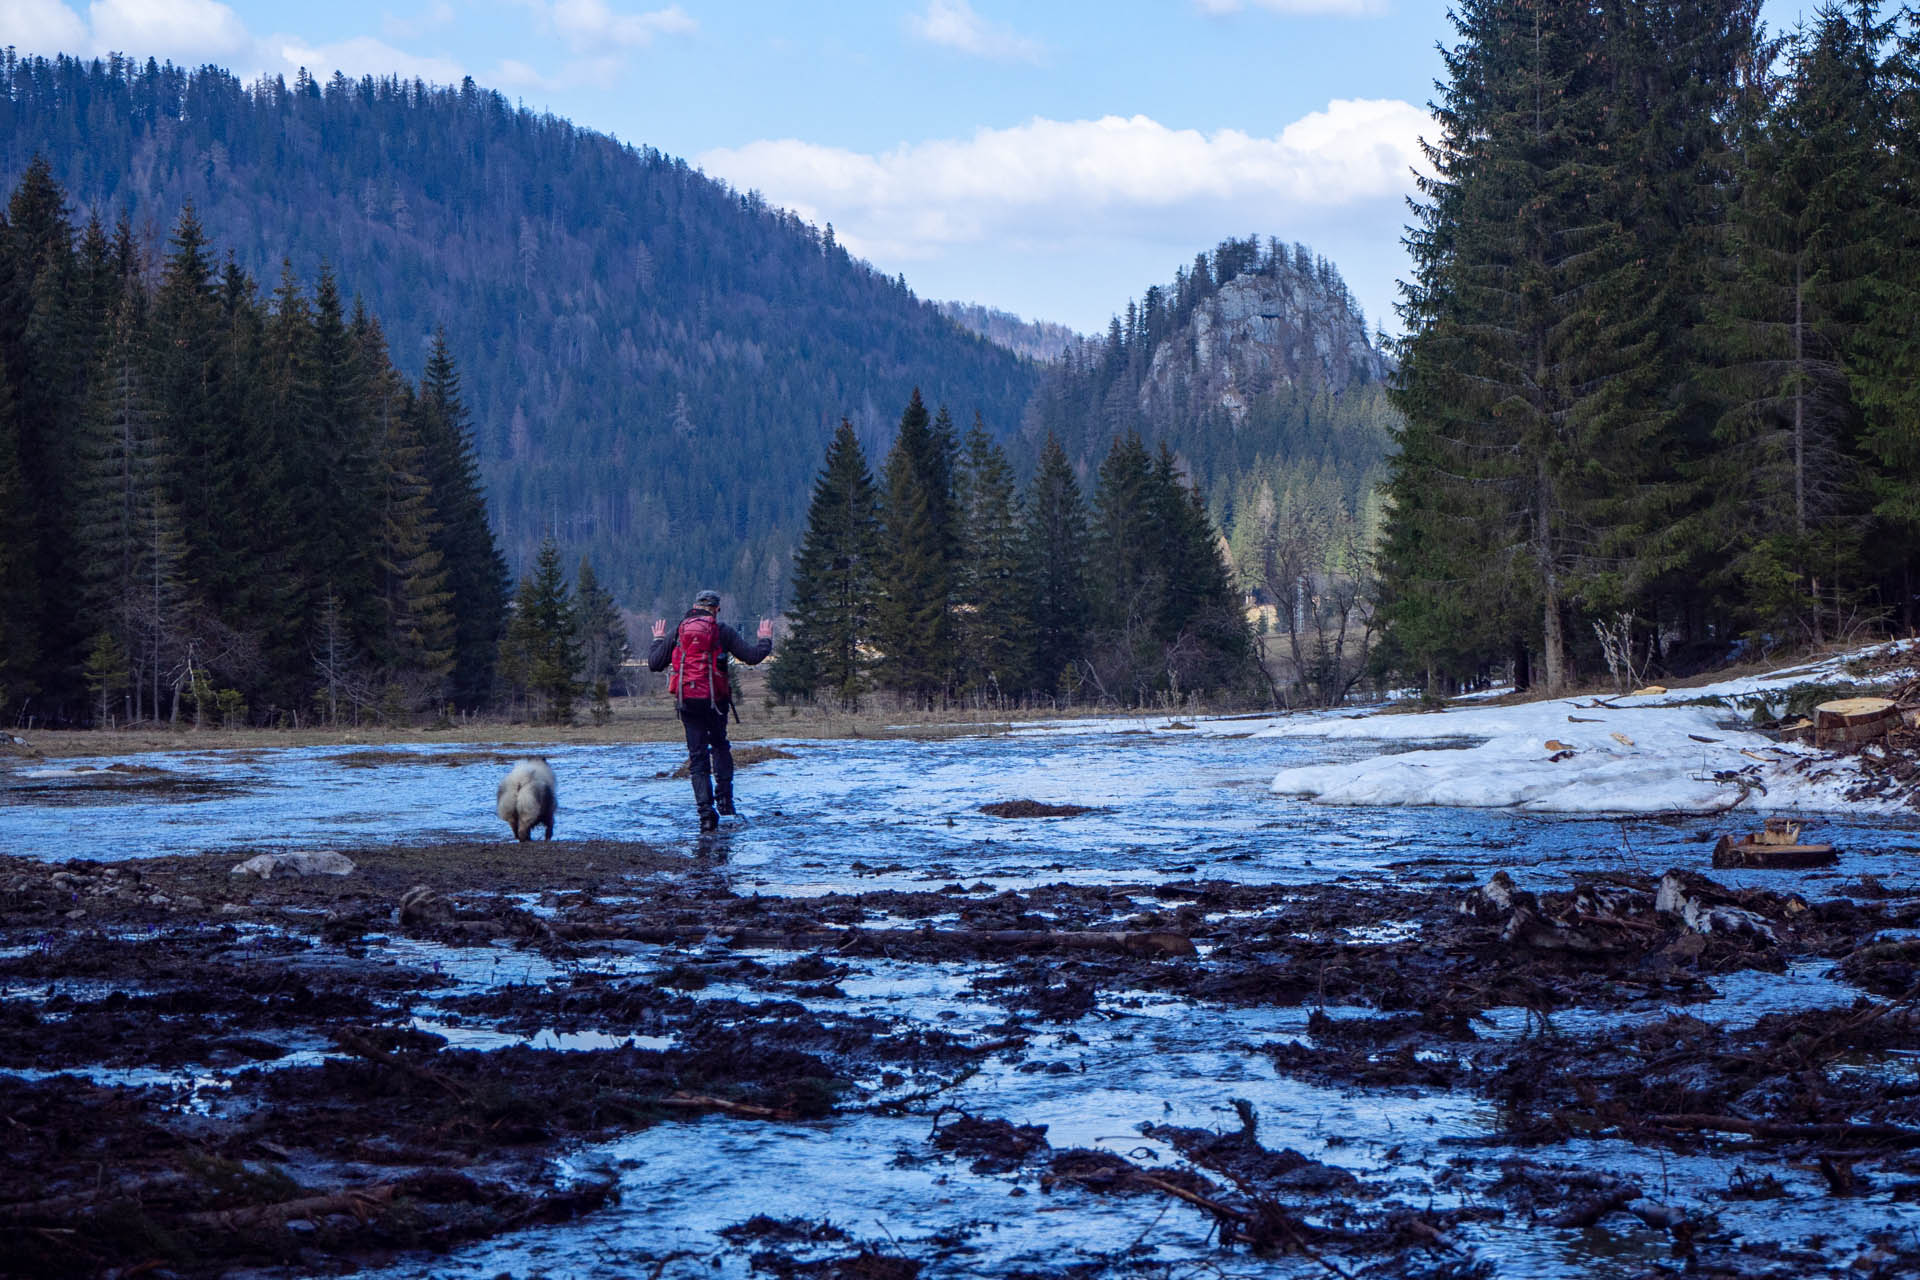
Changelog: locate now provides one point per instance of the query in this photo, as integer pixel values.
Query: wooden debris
(703, 1102)
(1777, 847)
(360, 1046)
(362, 1203)
(1494, 900)
(1622, 739)
(1648, 691)
(1146, 943)
(1692, 899)
(1854, 720)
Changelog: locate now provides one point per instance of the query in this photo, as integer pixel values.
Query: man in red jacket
(698, 651)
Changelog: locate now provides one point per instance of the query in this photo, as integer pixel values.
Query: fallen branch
(1873, 1134)
(705, 1102)
(358, 1045)
(1139, 944)
(362, 1202)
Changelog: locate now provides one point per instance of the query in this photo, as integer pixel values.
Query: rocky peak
(1257, 332)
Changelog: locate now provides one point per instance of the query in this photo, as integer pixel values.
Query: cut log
(1854, 720)
(1750, 853)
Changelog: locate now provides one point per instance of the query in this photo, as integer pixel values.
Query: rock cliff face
(1260, 331)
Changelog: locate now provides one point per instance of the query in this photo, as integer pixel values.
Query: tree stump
(1854, 720)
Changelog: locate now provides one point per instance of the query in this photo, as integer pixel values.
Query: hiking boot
(703, 800)
(724, 801)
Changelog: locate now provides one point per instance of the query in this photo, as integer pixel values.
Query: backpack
(699, 665)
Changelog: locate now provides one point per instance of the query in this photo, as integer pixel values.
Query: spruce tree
(542, 647)
(19, 650)
(330, 403)
(1129, 561)
(1054, 553)
(602, 639)
(1789, 304)
(834, 582)
(912, 620)
(993, 634)
(182, 372)
(476, 573)
(46, 373)
(417, 622)
(1202, 626)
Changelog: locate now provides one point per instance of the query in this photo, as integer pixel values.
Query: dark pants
(707, 739)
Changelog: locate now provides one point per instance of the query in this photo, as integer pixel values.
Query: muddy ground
(207, 1074)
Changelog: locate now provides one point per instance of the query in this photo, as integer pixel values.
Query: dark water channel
(855, 816)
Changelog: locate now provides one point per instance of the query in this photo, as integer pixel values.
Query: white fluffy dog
(528, 798)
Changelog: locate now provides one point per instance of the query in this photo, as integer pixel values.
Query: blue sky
(1048, 159)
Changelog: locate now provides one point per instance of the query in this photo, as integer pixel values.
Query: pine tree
(993, 638)
(417, 631)
(476, 573)
(541, 646)
(46, 371)
(1054, 552)
(294, 592)
(912, 621)
(107, 673)
(335, 552)
(834, 581)
(121, 479)
(1788, 308)
(19, 587)
(1202, 627)
(602, 639)
(183, 374)
(1129, 569)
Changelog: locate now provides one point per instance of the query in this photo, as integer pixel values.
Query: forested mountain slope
(1041, 340)
(653, 361)
(1254, 366)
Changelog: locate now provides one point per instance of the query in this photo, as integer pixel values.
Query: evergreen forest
(940, 582)
(1659, 373)
(1289, 453)
(651, 361)
(222, 506)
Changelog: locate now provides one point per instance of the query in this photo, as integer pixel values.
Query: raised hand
(659, 628)
(766, 628)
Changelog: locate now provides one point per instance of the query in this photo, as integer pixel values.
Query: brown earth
(347, 1137)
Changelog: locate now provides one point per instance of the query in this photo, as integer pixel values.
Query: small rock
(231, 908)
(78, 913)
(323, 862)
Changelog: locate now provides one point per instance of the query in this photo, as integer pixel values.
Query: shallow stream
(850, 816)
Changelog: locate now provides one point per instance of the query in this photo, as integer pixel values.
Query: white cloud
(1059, 181)
(181, 29)
(592, 25)
(601, 72)
(952, 24)
(44, 27)
(1299, 8)
(436, 15)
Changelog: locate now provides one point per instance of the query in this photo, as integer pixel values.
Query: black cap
(707, 600)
